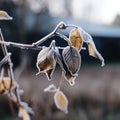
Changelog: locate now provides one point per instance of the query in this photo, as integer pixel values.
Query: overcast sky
(96, 11)
(101, 11)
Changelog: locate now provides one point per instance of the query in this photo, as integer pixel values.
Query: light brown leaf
(91, 50)
(91, 46)
(76, 39)
(61, 101)
(5, 85)
(4, 16)
(46, 62)
(24, 114)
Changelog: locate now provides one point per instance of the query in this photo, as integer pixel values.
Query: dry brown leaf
(61, 101)
(5, 85)
(76, 39)
(46, 62)
(23, 114)
(70, 78)
(91, 46)
(72, 59)
(4, 16)
(91, 50)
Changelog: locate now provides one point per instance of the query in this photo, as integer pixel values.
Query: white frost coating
(61, 101)
(50, 88)
(4, 16)
(88, 39)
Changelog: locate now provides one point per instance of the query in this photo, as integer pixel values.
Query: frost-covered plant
(8, 84)
(69, 61)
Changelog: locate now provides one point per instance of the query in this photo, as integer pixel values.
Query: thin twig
(10, 65)
(5, 59)
(35, 45)
(61, 80)
(20, 45)
(5, 52)
(53, 33)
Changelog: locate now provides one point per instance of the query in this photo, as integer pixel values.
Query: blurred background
(96, 94)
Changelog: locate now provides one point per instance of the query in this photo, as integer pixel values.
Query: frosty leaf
(61, 101)
(71, 58)
(46, 61)
(91, 47)
(23, 114)
(76, 39)
(50, 88)
(70, 78)
(4, 16)
(93, 52)
(5, 85)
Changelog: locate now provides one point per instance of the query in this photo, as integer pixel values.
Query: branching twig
(35, 45)
(5, 52)
(5, 59)
(20, 45)
(10, 65)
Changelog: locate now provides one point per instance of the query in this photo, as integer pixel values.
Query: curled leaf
(93, 52)
(50, 88)
(61, 101)
(71, 58)
(5, 85)
(91, 47)
(68, 76)
(23, 114)
(76, 39)
(46, 62)
(4, 16)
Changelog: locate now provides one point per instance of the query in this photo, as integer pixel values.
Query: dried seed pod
(4, 16)
(61, 101)
(50, 88)
(23, 114)
(5, 85)
(76, 39)
(72, 59)
(91, 47)
(46, 62)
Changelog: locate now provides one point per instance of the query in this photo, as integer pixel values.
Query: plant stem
(5, 59)
(10, 65)
(5, 52)
(35, 45)
(20, 45)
